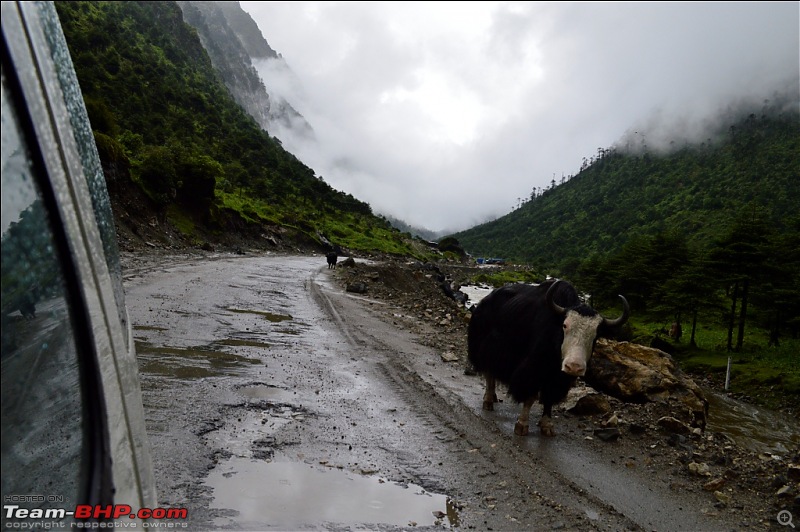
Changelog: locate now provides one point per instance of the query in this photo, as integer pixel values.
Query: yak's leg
(490, 397)
(521, 427)
(546, 422)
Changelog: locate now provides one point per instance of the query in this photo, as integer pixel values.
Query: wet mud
(277, 401)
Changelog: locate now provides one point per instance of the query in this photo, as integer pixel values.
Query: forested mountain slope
(184, 163)
(622, 193)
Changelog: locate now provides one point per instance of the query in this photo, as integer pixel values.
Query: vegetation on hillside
(166, 124)
(631, 191)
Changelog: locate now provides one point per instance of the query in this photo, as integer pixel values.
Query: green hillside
(697, 191)
(181, 156)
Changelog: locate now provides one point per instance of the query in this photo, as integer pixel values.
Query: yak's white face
(579, 334)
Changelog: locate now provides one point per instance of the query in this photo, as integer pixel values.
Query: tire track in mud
(317, 294)
(495, 482)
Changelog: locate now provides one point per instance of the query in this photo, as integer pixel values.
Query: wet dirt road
(276, 401)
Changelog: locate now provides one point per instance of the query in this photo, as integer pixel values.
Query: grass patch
(250, 209)
(502, 277)
(359, 233)
(767, 376)
(183, 222)
(348, 230)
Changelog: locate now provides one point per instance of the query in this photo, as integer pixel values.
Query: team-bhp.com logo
(93, 516)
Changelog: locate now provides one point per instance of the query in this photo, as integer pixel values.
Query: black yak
(536, 340)
(332, 258)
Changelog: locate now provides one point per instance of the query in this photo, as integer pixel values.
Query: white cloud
(444, 113)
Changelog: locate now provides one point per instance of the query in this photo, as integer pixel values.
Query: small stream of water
(752, 427)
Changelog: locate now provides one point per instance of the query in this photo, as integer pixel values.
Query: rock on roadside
(636, 373)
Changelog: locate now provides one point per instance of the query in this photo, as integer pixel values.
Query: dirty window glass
(43, 444)
(90, 160)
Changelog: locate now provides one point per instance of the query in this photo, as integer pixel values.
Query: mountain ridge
(622, 193)
(233, 41)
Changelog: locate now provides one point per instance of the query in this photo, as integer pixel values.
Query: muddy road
(277, 401)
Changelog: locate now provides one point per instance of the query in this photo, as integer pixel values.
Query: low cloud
(443, 114)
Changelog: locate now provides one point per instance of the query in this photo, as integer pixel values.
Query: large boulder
(452, 245)
(638, 374)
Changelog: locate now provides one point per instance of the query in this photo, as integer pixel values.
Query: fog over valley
(444, 114)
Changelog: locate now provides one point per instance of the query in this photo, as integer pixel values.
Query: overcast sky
(443, 114)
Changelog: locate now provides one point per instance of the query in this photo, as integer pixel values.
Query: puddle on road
(269, 316)
(148, 328)
(274, 318)
(234, 342)
(188, 362)
(292, 494)
(265, 391)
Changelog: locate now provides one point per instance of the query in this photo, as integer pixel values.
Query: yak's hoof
(488, 405)
(520, 429)
(546, 428)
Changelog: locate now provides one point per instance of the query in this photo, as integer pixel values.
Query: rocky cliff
(234, 42)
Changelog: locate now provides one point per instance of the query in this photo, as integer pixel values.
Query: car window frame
(121, 464)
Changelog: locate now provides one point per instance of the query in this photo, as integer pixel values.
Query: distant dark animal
(332, 258)
(676, 331)
(27, 306)
(659, 343)
(536, 340)
(28, 309)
